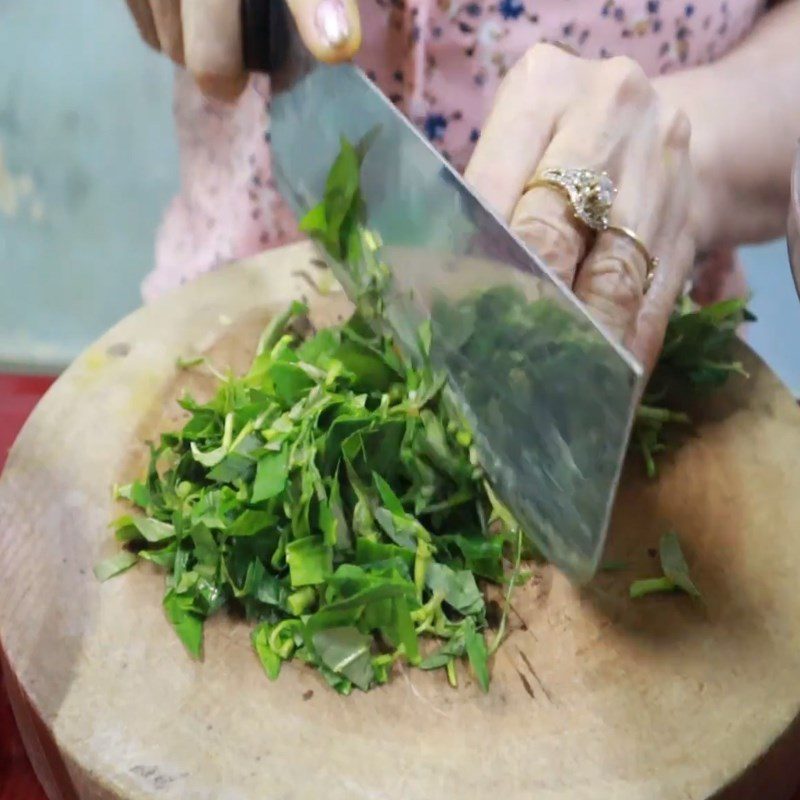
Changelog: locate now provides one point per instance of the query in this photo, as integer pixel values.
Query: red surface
(18, 396)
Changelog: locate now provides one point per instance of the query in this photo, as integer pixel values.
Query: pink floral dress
(441, 62)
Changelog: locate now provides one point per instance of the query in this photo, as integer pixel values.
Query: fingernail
(332, 23)
(222, 88)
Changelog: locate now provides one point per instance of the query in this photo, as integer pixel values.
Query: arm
(745, 115)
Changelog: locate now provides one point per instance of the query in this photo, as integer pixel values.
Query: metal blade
(549, 396)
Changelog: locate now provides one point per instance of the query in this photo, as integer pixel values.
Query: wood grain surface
(593, 696)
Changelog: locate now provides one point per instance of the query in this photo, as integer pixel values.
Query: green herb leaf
(310, 561)
(346, 651)
(152, 530)
(270, 660)
(674, 564)
(115, 565)
(271, 475)
(674, 567)
(458, 587)
(187, 623)
(452, 649)
(476, 652)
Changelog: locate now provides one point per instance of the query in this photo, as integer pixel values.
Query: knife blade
(549, 396)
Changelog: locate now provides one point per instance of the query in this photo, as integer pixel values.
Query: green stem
(651, 586)
(421, 567)
(284, 647)
(649, 461)
(301, 600)
(733, 366)
(274, 331)
(662, 415)
(188, 363)
(426, 613)
(227, 435)
(452, 678)
(501, 631)
(246, 430)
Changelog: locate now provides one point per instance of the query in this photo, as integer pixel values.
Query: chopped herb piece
(115, 565)
(675, 569)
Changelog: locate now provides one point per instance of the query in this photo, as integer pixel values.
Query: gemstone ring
(591, 194)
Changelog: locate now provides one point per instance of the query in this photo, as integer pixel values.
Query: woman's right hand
(205, 36)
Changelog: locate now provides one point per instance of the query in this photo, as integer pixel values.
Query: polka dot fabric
(440, 62)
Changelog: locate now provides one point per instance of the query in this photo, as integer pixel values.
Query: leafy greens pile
(330, 496)
(697, 358)
(333, 495)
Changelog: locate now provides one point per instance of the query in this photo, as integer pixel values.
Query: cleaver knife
(549, 396)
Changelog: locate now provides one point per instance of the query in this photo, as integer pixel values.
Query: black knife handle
(265, 34)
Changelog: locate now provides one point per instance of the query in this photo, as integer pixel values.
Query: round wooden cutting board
(594, 696)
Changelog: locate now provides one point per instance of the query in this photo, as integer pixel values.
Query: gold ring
(650, 261)
(590, 193)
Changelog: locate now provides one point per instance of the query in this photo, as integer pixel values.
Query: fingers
(167, 19)
(672, 241)
(212, 41)
(611, 281)
(159, 23)
(331, 29)
(668, 282)
(143, 16)
(544, 220)
(520, 125)
(206, 36)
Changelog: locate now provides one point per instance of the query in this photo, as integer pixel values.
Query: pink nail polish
(331, 21)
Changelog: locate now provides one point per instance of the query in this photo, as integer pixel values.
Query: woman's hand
(556, 110)
(206, 36)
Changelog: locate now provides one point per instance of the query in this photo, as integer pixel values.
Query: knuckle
(617, 281)
(553, 240)
(540, 54)
(538, 62)
(628, 80)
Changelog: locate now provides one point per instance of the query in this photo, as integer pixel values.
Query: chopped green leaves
(674, 564)
(130, 529)
(310, 561)
(115, 565)
(269, 659)
(478, 656)
(187, 622)
(458, 588)
(347, 652)
(271, 474)
(698, 356)
(335, 506)
(675, 569)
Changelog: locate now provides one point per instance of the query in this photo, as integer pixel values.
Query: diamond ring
(590, 193)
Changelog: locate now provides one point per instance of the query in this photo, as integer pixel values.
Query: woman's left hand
(554, 109)
(205, 36)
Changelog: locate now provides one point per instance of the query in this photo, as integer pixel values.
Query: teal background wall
(88, 163)
(86, 123)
